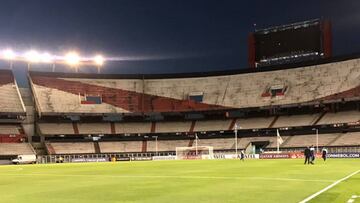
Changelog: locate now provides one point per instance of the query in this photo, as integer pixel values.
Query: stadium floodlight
(99, 60)
(32, 56)
(72, 58)
(8, 54)
(46, 58)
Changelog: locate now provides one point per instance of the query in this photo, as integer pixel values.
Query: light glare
(99, 60)
(32, 56)
(72, 58)
(46, 58)
(8, 54)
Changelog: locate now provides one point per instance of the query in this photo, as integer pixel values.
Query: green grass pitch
(180, 181)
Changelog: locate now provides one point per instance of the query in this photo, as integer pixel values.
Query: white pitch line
(352, 199)
(328, 187)
(179, 177)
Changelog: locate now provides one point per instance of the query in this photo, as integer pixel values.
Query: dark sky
(162, 36)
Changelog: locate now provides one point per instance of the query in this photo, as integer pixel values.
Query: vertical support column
(251, 50)
(192, 126)
(327, 38)
(144, 146)
(75, 127)
(42, 139)
(153, 127)
(112, 127)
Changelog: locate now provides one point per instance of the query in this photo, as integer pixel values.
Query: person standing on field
(324, 153)
(307, 154)
(242, 155)
(312, 154)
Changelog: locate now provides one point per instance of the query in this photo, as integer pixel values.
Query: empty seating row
(124, 146)
(338, 139)
(347, 139)
(10, 101)
(296, 120)
(16, 149)
(195, 126)
(307, 140)
(71, 147)
(340, 117)
(9, 129)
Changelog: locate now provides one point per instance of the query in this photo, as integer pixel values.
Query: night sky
(155, 36)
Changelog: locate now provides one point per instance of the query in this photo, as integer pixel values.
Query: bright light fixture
(46, 58)
(99, 60)
(32, 56)
(72, 58)
(8, 54)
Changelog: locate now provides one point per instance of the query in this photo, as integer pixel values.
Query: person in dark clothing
(242, 155)
(324, 153)
(307, 155)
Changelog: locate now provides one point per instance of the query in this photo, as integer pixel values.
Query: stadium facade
(65, 113)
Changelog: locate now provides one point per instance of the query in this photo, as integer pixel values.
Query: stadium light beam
(46, 58)
(73, 59)
(9, 55)
(99, 61)
(32, 56)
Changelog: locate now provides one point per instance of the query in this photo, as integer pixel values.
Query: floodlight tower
(9, 55)
(73, 59)
(99, 61)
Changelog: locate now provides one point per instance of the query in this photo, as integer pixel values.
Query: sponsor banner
(141, 158)
(160, 158)
(292, 155)
(219, 156)
(233, 156)
(90, 160)
(275, 156)
(343, 155)
(122, 158)
(191, 157)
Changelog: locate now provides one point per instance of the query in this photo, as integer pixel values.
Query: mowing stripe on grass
(328, 187)
(179, 177)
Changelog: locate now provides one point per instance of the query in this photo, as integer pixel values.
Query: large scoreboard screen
(289, 43)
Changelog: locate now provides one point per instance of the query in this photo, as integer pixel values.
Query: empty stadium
(133, 110)
(234, 135)
(84, 117)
